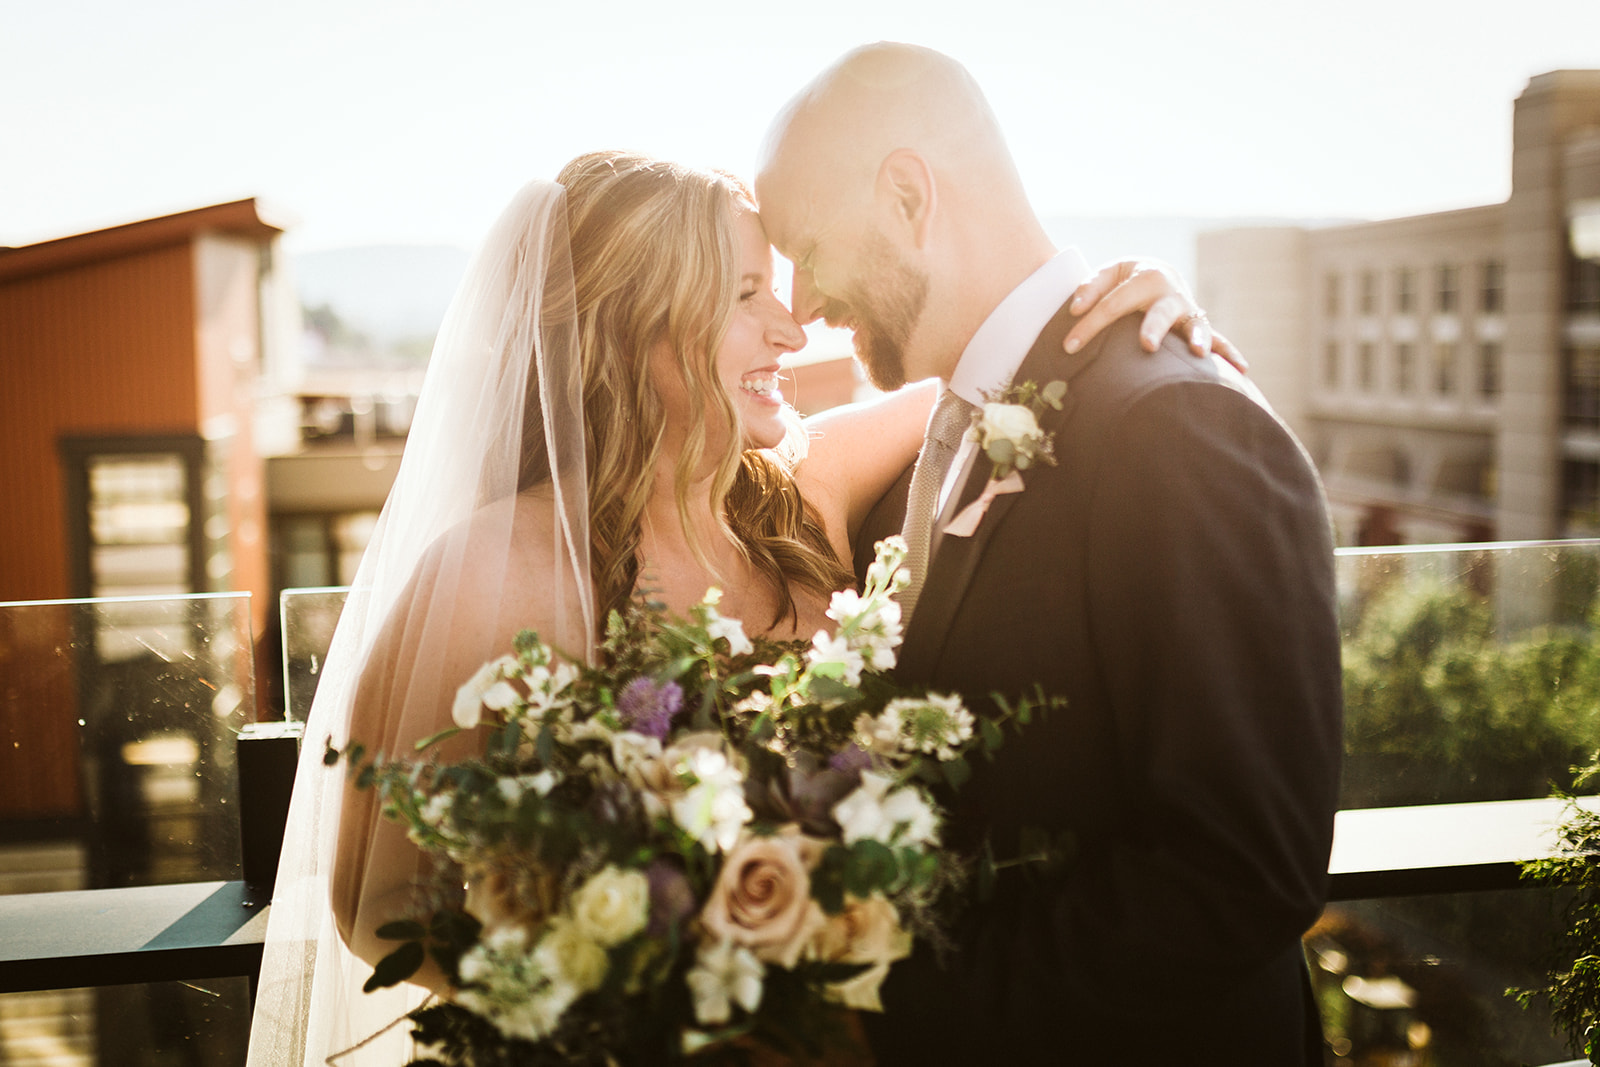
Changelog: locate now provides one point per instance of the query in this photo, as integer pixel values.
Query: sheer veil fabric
(490, 502)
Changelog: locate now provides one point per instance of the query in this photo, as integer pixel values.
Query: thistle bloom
(647, 706)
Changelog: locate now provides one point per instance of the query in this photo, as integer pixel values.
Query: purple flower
(671, 898)
(647, 706)
(852, 759)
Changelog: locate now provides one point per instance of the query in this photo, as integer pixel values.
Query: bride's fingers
(1197, 328)
(1094, 290)
(1228, 351)
(1139, 289)
(1163, 316)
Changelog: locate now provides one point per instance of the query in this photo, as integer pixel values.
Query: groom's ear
(907, 186)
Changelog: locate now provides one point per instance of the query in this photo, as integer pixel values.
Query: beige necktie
(950, 419)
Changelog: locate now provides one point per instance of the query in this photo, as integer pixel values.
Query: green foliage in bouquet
(701, 842)
(1572, 985)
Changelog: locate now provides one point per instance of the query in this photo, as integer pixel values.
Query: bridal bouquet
(701, 843)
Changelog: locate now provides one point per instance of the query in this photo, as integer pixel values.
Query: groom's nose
(804, 298)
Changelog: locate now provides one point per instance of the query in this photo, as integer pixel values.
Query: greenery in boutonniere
(1572, 985)
(1007, 426)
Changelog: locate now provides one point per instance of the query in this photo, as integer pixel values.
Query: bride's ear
(907, 187)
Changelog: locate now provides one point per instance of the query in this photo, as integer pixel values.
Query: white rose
(566, 954)
(1013, 422)
(612, 906)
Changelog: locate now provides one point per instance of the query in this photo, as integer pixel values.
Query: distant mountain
(389, 292)
(400, 292)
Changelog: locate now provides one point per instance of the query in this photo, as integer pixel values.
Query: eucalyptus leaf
(402, 930)
(956, 772)
(992, 735)
(434, 739)
(396, 967)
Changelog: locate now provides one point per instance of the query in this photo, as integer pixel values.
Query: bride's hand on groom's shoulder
(1129, 285)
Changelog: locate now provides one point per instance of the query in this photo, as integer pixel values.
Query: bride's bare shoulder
(514, 529)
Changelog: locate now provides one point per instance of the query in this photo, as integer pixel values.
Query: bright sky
(399, 121)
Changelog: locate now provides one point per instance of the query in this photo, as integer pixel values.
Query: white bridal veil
(500, 412)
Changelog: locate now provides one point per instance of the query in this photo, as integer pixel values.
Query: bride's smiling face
(760, 333)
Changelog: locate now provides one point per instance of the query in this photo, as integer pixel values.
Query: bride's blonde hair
(655, 257)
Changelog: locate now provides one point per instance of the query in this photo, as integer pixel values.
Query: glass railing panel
(1471, 671)
(308, 618)
(117, 726)
(1423, 980)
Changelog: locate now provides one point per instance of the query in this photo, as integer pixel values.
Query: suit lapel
(956, 559)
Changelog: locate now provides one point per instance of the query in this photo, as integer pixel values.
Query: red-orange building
(129, 366)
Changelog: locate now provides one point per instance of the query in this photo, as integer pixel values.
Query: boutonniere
(1007, 428)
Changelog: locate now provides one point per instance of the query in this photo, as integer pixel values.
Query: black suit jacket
(1172, 577)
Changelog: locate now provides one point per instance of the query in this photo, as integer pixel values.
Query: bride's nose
(784, 332)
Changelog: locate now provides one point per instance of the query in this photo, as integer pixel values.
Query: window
(1366, 366)
(1332, 287)
(1405, 367)
(1583, 284)
(1330, 365)
(135, 519)
(1405, 290)
(1583, 387)
(1494, 287)
(1580, 491)
(1369, 292)
(1489, 370)
(320, 549)
(1444, 368)
(1448, 294)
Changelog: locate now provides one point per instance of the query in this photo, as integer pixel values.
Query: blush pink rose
(762, 899)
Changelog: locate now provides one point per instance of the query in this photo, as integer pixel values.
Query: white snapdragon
(712, 810)
(724, 974)
(869, 625)
(486, 688)
(730, 630)
(834, 658)
(877, 812)
(720, 628)
(547, 687)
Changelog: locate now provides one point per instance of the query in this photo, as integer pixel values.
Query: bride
(601, 415)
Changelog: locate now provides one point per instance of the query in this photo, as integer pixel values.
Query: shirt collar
(992, 357)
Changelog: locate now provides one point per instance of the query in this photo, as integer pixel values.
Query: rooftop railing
(1472, 684)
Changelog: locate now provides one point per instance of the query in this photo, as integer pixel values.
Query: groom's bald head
(888, 183)
(877, 99)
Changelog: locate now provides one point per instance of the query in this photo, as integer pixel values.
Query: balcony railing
(1472, 688)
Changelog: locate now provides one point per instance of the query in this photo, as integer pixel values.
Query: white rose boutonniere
(1007, 429)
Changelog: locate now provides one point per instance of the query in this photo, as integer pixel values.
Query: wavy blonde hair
(655, 257)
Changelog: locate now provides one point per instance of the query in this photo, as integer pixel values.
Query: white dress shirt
(992, 357)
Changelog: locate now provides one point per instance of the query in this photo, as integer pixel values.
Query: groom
(1171, 577)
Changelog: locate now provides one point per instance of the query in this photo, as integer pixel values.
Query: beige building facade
(1443, 370)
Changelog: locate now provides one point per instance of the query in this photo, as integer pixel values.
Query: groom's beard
(885, 314)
